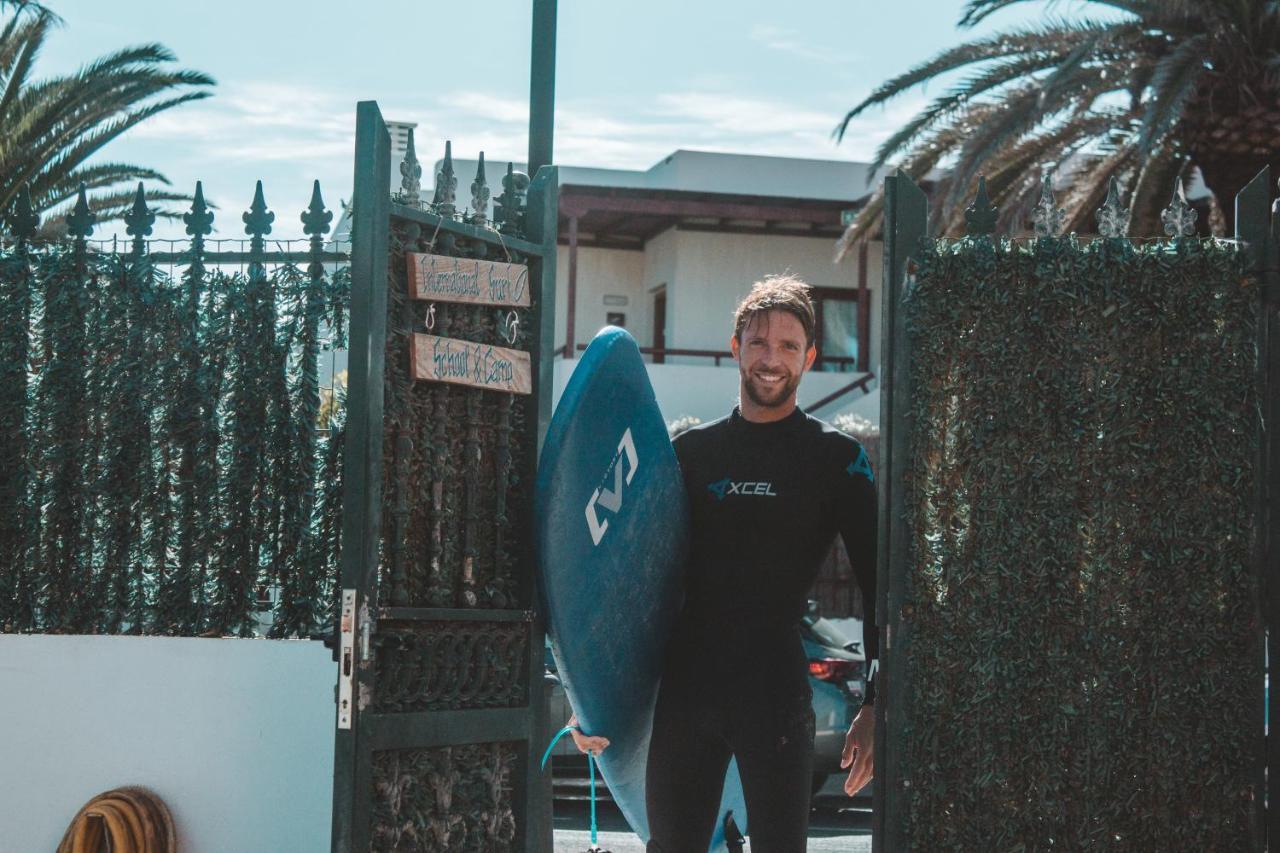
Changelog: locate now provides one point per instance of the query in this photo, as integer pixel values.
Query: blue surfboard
(612, 528)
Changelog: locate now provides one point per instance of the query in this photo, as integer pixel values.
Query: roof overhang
(627, 218)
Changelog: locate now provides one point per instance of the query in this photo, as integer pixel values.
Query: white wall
(235, 735)
(601, 272)
(660, 271)
(716, 270)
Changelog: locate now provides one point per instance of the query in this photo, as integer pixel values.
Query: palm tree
(50, 127)
(1146, 92)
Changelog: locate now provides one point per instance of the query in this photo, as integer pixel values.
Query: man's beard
(769, 397)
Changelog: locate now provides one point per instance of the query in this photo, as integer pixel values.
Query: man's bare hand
(860, 750)
(586, 743)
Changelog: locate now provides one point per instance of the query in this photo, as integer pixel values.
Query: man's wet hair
(776, 293)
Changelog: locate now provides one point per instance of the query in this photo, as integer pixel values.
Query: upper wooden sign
(469, 363)
(449, 279)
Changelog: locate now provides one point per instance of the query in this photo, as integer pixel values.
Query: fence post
(906, 219)
(542, 219)
(1253, 230)
(362, 462)
(1269, 534)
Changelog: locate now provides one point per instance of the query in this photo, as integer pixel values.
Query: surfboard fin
(733, 838)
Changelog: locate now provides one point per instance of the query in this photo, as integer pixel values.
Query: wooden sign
(477, 282)
(469, 363)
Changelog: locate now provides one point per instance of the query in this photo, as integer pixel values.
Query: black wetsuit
(766, 503)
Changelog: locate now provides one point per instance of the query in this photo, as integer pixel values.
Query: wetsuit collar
(790, 422)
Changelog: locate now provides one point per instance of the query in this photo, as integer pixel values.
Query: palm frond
(27, 42)
(95, 177)
(50, 127)
(1056, 39)
(1173, 83)
(1200, 77)
(977, 11)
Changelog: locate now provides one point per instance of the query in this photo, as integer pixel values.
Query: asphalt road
(836, 824)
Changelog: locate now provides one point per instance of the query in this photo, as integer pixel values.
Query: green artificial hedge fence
(163, 458)
(1086, 660)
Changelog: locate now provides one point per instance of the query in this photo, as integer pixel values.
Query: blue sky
(635, 80)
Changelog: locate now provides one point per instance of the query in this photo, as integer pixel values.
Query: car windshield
(828, 634)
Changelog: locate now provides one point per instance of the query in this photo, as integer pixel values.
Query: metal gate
(440, 698)
(905, 602)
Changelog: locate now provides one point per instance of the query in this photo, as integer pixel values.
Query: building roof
(696, 190)
(712, 172)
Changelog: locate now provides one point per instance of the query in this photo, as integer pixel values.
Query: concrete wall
(235, 735)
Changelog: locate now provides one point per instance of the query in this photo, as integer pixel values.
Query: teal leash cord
(591, 763)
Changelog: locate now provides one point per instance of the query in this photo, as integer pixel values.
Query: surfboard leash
(591, 764)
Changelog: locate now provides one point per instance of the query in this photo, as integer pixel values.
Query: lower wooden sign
(469, 363)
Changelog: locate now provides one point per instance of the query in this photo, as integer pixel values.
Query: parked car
(836, 674)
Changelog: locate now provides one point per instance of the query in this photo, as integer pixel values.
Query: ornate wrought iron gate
(441, 703)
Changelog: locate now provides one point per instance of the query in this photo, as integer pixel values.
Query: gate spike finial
(80, 220)
(446, 184)
(257, 220)
(140, 218)
(24, 221)
(200, 220)
(508, 207)
(980, 217)
(1113, 216)
(1048, 217)
(410, 175)
(315, 219)
(479, 194)
(1179, 217)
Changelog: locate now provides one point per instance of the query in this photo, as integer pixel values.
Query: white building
(668, 251)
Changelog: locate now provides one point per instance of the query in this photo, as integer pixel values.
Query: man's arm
(857, 514)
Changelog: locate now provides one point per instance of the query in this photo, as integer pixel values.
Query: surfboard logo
(611, 499)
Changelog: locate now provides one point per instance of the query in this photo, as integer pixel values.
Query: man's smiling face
(772, 355)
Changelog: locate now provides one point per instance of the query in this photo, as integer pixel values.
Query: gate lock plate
(346, 657)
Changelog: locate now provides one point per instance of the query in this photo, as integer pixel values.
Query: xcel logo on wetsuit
(723, 488)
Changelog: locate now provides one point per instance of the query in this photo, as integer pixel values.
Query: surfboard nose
(609, 337)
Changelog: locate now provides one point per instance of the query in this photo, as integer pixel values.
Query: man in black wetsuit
(769, 487)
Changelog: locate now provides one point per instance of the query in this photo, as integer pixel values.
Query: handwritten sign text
(467, 280)
(469, 363)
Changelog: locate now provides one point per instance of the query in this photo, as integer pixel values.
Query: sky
(635, 81)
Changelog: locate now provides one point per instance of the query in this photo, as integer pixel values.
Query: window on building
(843, 324)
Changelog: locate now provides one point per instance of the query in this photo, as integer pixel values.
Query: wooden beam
(580, 204)
(816, 231)
(572, 297)
(630, 244)
(864, 312)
